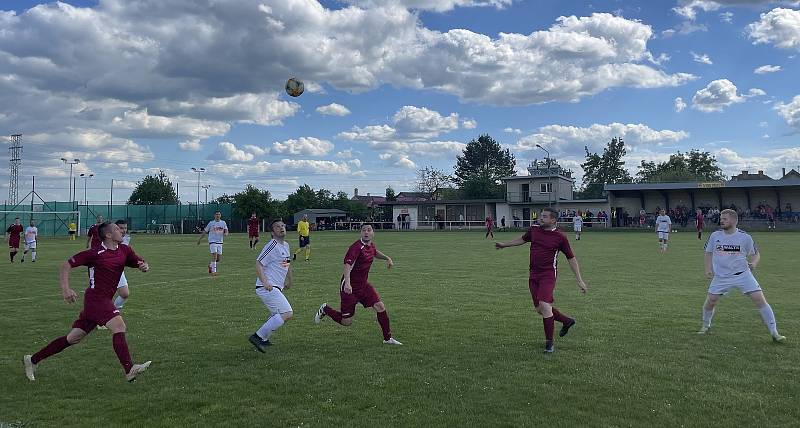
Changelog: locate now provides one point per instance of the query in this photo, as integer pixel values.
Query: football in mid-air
(294, 87)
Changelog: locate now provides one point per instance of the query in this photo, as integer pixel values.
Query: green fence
(140, 218)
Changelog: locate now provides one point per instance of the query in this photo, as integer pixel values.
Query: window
(545, 187)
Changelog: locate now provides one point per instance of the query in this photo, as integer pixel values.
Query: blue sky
(133, 86)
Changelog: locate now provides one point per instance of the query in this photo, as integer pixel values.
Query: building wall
(760, 196)
(736, 197)
(791, 196)
(411, 210)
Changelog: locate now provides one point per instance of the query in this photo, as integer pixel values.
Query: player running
(355, 287)
(108, 261)
(12, 237)
(217, 230)
(727, 265)
(489, 227)
(577, 225)
(31, 232)
(699, 222)
(546, 241)
(273, 276)
(252, 230)
(304, 232)
(663, 226)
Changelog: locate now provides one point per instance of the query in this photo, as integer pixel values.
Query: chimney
(355, 192)
(760, 172)
(783, 172)
(368, 195)
(744, 172)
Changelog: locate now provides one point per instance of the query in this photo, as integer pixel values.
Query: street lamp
(71, 163)
(206, 187)
(198, 171)
(549, 182)
(85, 177)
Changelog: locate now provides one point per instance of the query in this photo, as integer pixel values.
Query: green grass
(472, 353)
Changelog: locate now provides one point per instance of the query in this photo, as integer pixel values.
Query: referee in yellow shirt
(304, 230)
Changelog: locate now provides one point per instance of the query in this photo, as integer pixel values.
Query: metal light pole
(549, 182)
(198, 171)
(71, 163)
(86, 178)
(206, 187)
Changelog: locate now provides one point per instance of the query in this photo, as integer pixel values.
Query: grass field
(473, 345)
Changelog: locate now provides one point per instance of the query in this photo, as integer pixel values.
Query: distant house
(369, 201)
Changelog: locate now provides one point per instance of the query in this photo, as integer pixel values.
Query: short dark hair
(218, 211)
(273, 221)
(366, 223)
(553, 212)
(120, 221)
(101, 230)
(16, 218)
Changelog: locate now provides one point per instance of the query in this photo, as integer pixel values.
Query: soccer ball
(294, 87)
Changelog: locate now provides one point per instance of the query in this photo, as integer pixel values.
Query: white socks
(273, 323)
(769, 319)
(214, 267)
(707, 315)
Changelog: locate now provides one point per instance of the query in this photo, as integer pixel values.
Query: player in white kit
(726, 261)
(663, 226)
(274, 275)
(217, 230)
(122, 288)
(31, 232)
(577, 225)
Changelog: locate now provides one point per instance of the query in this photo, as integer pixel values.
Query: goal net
(49, 223)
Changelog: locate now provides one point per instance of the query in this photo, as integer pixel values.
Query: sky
(133, 86)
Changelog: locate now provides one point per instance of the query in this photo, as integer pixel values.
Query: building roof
(322, 212)
(531, 177)
(786, 182)
(446, 202)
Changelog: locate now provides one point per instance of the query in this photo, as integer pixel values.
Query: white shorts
(663, 235)
(123, 282)
(215, 248)
(274, 300)
(30, 245)
(745, 282)
(577, 228)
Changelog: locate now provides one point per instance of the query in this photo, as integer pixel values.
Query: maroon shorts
(13, 244)
(542, 287)
(364, 294)
(95, 313)
(252, 234)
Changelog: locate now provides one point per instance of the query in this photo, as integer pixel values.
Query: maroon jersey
(489, 222)
(14, 230)
(107, 266)
(252, 225)
(360, 256)
(698, 221)
(545, 245)
(94, 232)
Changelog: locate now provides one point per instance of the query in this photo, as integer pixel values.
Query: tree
(429, 179)
(223, 199)
(253, 200)
(681, 167)
(154, 189)
(303, 198)
(606, 169)
(481, 166)
(390, 195)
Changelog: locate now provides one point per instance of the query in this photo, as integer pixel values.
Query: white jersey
(216, 231)
(577, 221)
(274, 260)
(664, 223)
(730, 252)
(30, 234)
(126, 240)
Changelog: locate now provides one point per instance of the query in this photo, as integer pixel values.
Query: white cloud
(190, 145)
(702, 59)
(767, 69)
(227, 151)
(307, 146)
(716, 96)
(410, 123)
(726, 17)
(437, 5)
(769, 161)
(512, 130)
(469, 123)
(431, 149)
(779, 27)
(396, 159)
(345, 154)
(790, 112)
(288, 166)
(679, 104)
(755, 92)
(141, 124)
(333, 109)
(355, 162)
(763, 124)
(256, 150)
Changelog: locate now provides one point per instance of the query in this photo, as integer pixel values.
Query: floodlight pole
(198, 171)
(71, 163)
(86, 178)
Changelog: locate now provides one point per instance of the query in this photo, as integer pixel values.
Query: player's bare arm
(63, 275)
(287, 283)
(202, 235)
(514, 243)
(381, 256)
(262, 277)
(143, 266)
(754, 259)
(346, 273)
(709, 269)
(576, 269)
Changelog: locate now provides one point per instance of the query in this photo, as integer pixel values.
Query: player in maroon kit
(12, 237)
(699, 221)
(252, 230)
(355, 288)
(108, 261)
(93, 236)
(489, 227)
(546, 241)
